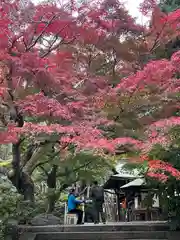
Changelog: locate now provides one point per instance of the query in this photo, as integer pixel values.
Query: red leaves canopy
(162, 171)
(153, 91)
(39, 78)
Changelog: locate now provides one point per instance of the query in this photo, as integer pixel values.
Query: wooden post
(118, 205)
(128, 205)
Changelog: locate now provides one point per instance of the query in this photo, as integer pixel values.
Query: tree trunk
(51, 183)
(21, 180)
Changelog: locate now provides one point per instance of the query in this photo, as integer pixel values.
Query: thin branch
(51, 48)
(13, 42)
(82, 192)
(22, 140)
(64, 186)
(42, 163)
(34, 32)
(44, 170)
(41, 34)
(75, 169)
(157, 37)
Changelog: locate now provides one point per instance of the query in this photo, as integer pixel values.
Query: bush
(8, 203)
(12, 206)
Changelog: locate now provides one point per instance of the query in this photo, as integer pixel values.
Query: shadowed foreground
(110, 231)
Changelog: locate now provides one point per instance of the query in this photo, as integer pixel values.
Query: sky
(132, 7)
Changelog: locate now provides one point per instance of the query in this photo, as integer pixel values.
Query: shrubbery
(12, 206)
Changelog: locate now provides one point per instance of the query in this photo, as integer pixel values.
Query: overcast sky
(133, 8)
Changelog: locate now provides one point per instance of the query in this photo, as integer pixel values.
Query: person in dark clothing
(88, 213)
(97, 195)
(72, 206)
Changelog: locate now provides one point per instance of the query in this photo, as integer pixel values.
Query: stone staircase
(111, 231)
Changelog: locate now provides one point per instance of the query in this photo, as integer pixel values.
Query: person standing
(97, 195)
(73, 204)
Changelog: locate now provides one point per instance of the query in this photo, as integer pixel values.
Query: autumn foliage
(149, 98)
(70, 73)
(41, 78)
(162, 171)
(52, 86)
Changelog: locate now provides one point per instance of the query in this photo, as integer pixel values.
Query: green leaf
(5, 163)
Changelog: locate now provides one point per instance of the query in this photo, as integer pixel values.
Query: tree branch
(42, 32)
(27, 156)
(29, 167)
(42, 163)
(75, 169)
(157, 37)
(44, 170)
(51, 48)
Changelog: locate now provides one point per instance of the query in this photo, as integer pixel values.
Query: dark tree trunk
(27, 187)
(51, 183)
(21, 180)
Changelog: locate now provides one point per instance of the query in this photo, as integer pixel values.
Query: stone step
(110, 227)
(124, 235)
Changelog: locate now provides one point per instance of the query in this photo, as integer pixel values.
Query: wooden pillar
(128, 199)
(119, 207)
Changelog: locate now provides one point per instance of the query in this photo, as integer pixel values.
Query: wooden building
(133, 199)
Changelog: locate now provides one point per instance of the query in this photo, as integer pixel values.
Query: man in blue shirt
(72, 206)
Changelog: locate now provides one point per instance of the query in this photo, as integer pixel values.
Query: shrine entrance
(128, 198)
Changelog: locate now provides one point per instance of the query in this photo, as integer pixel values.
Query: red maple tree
(144, 103)
(47, 96)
